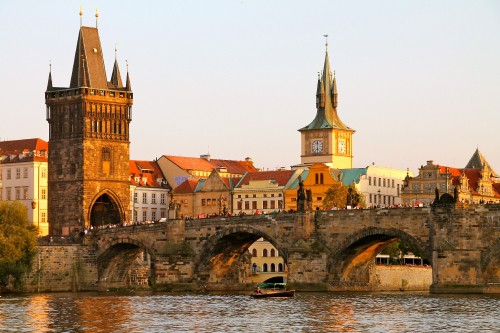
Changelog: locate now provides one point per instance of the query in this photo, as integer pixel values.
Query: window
(8, 193)
(44, 217)
(379, 181)
(265, 195)
(247, 205)
(203, 202)
(273, 204)
(280, 204)
(254, 196)
(144, 198)
(264, 253)
(144, 215)
(254, 253)
(316, 178)
(240, 205)
(153, 215)
(25, 172)
(393, 183)
(369, 181)
(106, 160)
(153, 198)
(44, 194)
(264, 268)
(273, 267)
(25, 193)
(18, 193)
(321, 178)
(384, 182)
(273, 253)
(44, 172)
(162, 198)
(135, 197)
(18, 173)
(264, 205)
(254, 204)
(280, 267)
(8, 174)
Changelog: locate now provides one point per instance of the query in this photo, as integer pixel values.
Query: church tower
(327, 139)
(88, 167)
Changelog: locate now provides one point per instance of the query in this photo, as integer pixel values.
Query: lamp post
(379, 198)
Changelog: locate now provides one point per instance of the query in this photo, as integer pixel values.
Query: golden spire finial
(96, 16)
(81, 14)
(326, 41)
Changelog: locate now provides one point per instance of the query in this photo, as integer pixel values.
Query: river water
(306, 312)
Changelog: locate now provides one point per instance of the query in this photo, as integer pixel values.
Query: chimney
(205, 156)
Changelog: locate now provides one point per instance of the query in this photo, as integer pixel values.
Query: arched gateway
(106, 210)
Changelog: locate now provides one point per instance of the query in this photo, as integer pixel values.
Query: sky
(417, 80)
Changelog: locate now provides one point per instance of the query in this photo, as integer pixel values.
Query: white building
(23, 177)
(380, 186)
(148, 192)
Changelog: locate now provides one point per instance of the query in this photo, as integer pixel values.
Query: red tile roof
(202, 164)
(187, 186)
(280, 176)
(145, 170)
(33, 149)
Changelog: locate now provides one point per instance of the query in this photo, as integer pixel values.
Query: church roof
(280, 176)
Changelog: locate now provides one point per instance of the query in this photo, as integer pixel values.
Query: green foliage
(18, 241)
(399, 248)
(337, 197)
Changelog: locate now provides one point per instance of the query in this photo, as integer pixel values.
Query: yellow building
(318, 178)
(267, 264)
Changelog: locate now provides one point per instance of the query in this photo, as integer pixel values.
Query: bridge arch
(224, 258)
(350, 262)
(490, 265)
(125, 262)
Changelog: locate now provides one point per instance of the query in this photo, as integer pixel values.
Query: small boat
(266, 290)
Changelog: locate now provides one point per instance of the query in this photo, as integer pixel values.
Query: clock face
(341, 147)
(317, 146)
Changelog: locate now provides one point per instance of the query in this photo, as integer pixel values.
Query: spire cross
(126, 61)
(50, 66)
(116, 50)
(326, 41)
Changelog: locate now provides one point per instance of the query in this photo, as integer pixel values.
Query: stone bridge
(327, 250)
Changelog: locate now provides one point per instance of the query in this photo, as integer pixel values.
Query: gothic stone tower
(327, 139)
(88, 168)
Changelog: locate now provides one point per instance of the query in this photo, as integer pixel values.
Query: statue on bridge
(304, 198)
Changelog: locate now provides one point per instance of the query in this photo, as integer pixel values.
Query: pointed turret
(128, 87)
(116, 79)
(49, 83)
(477, 161)
(334, 92)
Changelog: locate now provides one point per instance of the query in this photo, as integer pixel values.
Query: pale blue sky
(417, 80)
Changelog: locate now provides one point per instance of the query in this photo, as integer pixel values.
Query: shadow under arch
(490, 265)
(350, 263)
(225, 259)
(125, 263)
(105, 209)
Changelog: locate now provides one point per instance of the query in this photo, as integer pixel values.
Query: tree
(338, 195)
(18, 241)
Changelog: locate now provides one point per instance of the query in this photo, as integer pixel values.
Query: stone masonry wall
(402, 277)
(63, 268)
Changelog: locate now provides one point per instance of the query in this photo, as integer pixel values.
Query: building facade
(23, 177)
(88, 166)
(380, 187)
(476, 183)
(149, 200)
(267, 264)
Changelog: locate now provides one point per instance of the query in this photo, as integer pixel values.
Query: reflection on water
(307, 312)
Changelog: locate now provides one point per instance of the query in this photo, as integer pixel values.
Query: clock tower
(327, 139)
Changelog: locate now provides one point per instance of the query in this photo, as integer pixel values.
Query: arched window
(106, 160)
(254, 268)
(280, 267)
(316, 178)
(264, 253)
(273, 268)
(254, 253)
(273, 253)
(321, 178)
(264, 268)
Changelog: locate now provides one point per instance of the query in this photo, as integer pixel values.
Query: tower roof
(326, 97)
(88, 66)
(116, 79)
(477, 161)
